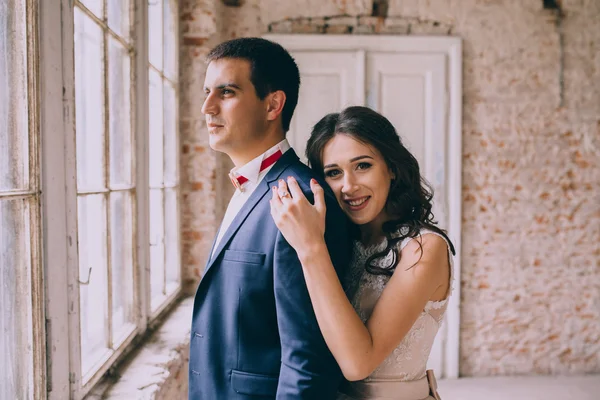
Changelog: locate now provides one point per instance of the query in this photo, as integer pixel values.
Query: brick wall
(531, 172)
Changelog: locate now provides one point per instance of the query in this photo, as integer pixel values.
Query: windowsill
(158, 370)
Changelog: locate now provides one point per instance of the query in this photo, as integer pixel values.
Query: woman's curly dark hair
(410, 196)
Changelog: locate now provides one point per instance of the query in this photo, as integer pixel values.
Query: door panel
(410, 90)
(330, 81)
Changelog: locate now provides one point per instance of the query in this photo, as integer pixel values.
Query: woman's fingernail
(313, 180)
(291, 178)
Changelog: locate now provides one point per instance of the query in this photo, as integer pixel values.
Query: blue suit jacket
(254, 332)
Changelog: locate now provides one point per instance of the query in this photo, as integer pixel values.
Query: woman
(400, 277)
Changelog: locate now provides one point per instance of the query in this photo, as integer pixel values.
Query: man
(254, 333)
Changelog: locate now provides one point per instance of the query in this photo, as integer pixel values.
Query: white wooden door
(410, 90)
(330, 81)
(415, 83)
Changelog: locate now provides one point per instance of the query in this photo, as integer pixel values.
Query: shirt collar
(251, 170)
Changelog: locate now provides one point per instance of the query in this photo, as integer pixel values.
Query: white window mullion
(107, 184)
(142, 159)
(172, 73)
(164, 160)
(165, 222)
(71, 199)
(39, 377)
(54, 208)
(109, 286)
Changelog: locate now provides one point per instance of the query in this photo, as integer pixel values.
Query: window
(103, 52)
(163, 46)
(119, 70)
(20, 316)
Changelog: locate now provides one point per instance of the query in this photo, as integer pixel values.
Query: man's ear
(275, 103)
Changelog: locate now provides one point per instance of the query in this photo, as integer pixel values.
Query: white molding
(451, 47)
(452, 351)
(70, 202)
(361, 76)
(409, 44)
(38, 336)
(142, 157)
(53, 171)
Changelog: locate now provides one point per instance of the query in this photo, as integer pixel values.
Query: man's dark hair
(272, 68)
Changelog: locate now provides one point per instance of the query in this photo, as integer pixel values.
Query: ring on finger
(283, 194)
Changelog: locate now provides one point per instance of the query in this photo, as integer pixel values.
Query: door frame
(451, 47)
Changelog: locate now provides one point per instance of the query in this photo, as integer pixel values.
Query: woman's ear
(275, 104)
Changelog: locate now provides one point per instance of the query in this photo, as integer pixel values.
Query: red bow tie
(266, 163)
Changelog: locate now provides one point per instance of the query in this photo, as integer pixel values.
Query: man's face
(235, 116)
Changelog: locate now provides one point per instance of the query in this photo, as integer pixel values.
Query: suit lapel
(258, 194)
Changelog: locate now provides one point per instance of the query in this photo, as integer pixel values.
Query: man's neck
(240, 160)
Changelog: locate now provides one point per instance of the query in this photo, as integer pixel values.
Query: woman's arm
(357, 348)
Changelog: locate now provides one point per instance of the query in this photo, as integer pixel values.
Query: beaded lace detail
(408, 361)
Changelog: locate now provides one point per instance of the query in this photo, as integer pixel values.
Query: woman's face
(359, 177)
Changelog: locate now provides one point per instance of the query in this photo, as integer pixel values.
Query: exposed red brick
(193, 41)
(187, 16)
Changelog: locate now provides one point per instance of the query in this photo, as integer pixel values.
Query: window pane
(171, 39)
(157, 248)
(95, 6)
(14, 137)
(173, 258)
(156, 129)
(121, 235)
(155, 33)
(16, 342)
(119, 96)
(93, 297)
(118, 17)
(170, 134)
(89, 96)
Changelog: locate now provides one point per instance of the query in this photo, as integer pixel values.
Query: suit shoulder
(301, 172)
(303, 175)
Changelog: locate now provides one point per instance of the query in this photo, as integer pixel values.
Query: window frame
(33, 196)
(59, 204)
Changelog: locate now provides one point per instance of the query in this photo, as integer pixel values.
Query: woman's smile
(357, 203)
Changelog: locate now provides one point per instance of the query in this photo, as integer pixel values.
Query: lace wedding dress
(402, 375)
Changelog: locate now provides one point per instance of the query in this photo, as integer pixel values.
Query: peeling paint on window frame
(60, 235)
(32, 195)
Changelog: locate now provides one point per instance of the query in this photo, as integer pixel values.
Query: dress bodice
(408, 361)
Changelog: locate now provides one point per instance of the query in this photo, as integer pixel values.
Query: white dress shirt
(252, 172)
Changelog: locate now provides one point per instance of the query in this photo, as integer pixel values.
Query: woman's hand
(301, 223)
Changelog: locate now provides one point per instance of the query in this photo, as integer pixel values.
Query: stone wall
(530, 282)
